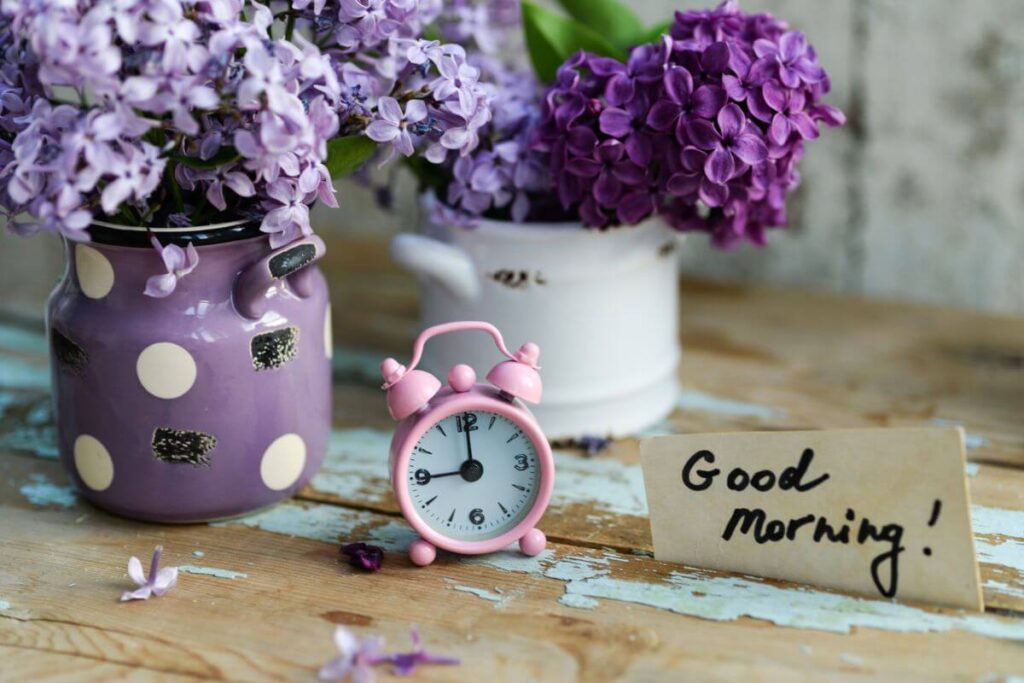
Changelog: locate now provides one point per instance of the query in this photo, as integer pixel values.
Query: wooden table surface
(259, 596)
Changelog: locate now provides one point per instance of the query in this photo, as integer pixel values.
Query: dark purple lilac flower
(629, 125)
(717, 136)
(730, 144)
(696, 30)
(689, 181)
(796, 59)
(364, 556)
(684, 104)
(645, 65)
(749, 75)
(790, 113)
(609, 172)
(158, 582)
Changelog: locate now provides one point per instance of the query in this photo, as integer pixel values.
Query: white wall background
(920, 196)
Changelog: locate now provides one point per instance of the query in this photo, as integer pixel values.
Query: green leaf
(551, 39)
(427, 175)
(346, 154)
(609, 18)
(655, 32)
(223, 157)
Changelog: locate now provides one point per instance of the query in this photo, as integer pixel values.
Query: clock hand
(446, 474)
(469, 443)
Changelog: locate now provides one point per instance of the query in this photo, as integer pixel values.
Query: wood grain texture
(217, 629)
(598, 608)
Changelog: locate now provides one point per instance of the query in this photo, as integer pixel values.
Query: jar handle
(258, 283)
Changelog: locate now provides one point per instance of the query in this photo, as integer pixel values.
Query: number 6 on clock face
(473, 475)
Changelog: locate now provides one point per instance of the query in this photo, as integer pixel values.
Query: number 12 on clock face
(473, 475)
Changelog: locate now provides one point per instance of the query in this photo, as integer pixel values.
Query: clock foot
(533, 542)
(422, 553)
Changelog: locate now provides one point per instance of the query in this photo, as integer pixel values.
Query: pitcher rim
(117, 235)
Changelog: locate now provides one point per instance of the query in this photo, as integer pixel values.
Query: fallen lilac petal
(405, 663)
(364, 556)
(157, 583)
(592, 445)
(356, 658)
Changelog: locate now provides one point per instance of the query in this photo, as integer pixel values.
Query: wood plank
(275, 623)
(593, 609)
(30, 663)
(598, 502)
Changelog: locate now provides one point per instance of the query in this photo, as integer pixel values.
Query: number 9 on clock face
(473, 476)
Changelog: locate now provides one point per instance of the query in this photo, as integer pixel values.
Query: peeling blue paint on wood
(696, 593)
(212, 571)
(43, 492)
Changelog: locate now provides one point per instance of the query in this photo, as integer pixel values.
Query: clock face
(473, 476)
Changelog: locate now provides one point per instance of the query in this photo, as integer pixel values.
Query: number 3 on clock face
(473, 476)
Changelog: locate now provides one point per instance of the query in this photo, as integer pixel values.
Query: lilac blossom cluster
(157, 112)
(189, 112)
(704, 127)
(503, 176)
(399, 88)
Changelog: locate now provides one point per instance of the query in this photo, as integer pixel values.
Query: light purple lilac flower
(178, 262)
(393, 125)
(358, 657)
(481, 106)
(109, 107)
(157, 583)
(414, 95)
(203, 96)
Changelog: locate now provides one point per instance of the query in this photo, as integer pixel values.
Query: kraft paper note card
(877, 512)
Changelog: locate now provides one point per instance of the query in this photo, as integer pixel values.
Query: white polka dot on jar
(95, 274)
(93, 463)
(283, 462)
(166, 370)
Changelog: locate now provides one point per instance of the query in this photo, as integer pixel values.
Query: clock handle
(517, 376)
(462, 325)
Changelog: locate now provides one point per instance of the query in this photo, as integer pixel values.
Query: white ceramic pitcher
(602, 305)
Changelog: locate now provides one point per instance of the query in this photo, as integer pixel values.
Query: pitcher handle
(256, 285)
(434, 260)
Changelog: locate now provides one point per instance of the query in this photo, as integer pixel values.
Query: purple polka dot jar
(205, 404)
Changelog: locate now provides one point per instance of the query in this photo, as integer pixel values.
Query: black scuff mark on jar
(517, 279)
(271, 350)
(70, 356)
(291, 260)
(183, 446)
(666, 249)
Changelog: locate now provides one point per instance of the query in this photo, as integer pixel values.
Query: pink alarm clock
(471, 469)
